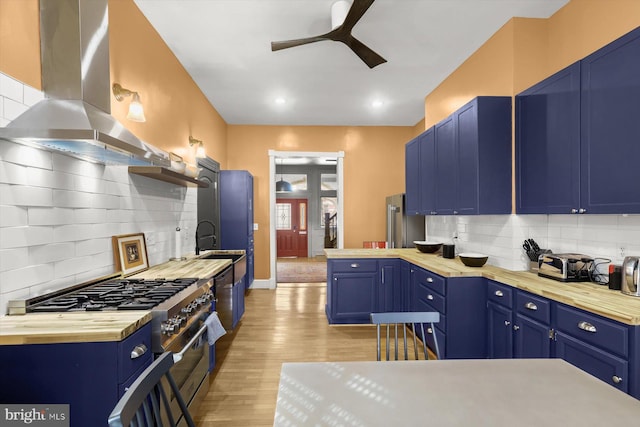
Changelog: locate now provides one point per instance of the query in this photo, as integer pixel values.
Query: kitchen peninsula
(490, 312)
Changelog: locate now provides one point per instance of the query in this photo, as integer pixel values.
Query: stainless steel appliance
(402, 229)
(566, 267)
(630, 276)
(178, 307)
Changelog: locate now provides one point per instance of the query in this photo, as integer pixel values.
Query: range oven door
(191, 372)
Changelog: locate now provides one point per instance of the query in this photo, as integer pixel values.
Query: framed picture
(130, 253)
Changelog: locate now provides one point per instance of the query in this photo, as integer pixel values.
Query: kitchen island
(518, 392)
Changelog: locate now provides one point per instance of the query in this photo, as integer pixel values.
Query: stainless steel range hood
(75, 115)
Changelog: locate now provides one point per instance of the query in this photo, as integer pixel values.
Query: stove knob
(183, 320)
(166, 329)
(187, 310)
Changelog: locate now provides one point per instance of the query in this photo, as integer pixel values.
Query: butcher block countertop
(587, 296)
(49, 328)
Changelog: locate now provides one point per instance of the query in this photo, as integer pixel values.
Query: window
(283, 216)
(330, 206)
(328, 182)
(298, 181)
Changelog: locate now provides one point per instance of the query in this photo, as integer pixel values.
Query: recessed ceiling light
(280, 100)
(377, 103)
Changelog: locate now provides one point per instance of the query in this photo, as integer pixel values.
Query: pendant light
(283, 186)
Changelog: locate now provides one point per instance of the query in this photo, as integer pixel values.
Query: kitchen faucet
(213, 235)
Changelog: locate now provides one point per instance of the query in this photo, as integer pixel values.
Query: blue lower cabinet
(499, 331)
(89, 377)
(238, 302)
(605, 366)
(531, 339)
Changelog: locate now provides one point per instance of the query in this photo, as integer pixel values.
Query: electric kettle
(631, 276)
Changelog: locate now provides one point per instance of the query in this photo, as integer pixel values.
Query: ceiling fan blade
(297, 42)
(367, 55)
(358, 8)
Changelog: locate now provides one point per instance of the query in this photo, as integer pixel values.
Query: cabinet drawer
(499, 293)
(424, 305)
(605, 366)
(608, 334)
(532, 306)
(431, 280)
(138, 341)
(353, 265)
(426, 294)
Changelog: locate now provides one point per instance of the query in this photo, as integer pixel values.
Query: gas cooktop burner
(123, 294)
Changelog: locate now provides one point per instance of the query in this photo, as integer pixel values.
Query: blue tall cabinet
(236, 216)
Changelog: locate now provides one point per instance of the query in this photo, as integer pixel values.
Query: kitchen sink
(239, 263)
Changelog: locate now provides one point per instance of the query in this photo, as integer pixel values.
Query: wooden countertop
(49, 328)
(587, 296)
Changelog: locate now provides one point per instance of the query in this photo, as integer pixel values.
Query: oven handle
(178, 356)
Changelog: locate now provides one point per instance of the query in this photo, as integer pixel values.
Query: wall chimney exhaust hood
(75, 117)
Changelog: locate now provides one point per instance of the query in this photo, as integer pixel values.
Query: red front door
(291, 227)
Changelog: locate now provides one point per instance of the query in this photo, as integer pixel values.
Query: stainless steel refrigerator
(402, 229)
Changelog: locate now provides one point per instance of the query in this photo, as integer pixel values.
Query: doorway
(301, 158)
(291, 228)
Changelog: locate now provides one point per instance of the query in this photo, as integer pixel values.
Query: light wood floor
(283, 325)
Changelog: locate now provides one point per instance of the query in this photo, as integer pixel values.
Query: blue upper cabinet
(610, 106)
(578, 132)
(548, 145)
(412, 177)
(473, 156)
(236, 215)
(420, 174)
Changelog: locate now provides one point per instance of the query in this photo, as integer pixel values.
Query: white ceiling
(225, 46)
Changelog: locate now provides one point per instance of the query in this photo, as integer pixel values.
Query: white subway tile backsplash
(95, 246)
(90, 216)
(73, 166)
(22, 195)
(11, 173)
(49, 216)
(12, 109)
(18, 237)
(10, 259)
(51, 252)
(25, 155)
(13, 280)
(12, 216)
(3, 122)
(11, 88)
(32, 96)
(51, 179)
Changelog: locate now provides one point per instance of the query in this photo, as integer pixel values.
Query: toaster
(565, 267)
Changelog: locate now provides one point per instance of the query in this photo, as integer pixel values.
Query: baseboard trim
(263, 284)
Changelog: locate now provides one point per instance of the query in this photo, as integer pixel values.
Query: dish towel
(214, 328)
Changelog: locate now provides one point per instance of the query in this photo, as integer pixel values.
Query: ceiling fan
(341, 33)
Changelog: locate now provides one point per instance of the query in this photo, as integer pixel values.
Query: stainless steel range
(179, 308)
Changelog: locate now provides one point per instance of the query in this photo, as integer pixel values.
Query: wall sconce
(136, 112)
(200, 150)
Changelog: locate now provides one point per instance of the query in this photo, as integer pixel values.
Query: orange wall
(373, 169)
(174, 106)
(20, 41)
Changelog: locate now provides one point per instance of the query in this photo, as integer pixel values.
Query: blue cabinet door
(499, 335)
(428, 172)
(548, 145)
(390, 298)
(355, 297)
(412, 177)
(236, 215)
(531, 338)
(446, 170)
(467, 159)
(611, 127)
(605, 366)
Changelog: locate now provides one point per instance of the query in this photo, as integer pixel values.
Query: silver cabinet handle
(429, 279)
(582, 210)
(138, 351)
(586, 326)
(499, 293)
(430, 297)
(574, 210)
(507, 323)
(455, 212)
(354, 265)
(616, 379)
(531, 306)
(429, 330)
(516, 327)
(335, 279)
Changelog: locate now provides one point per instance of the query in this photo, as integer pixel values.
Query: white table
(506, 392)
